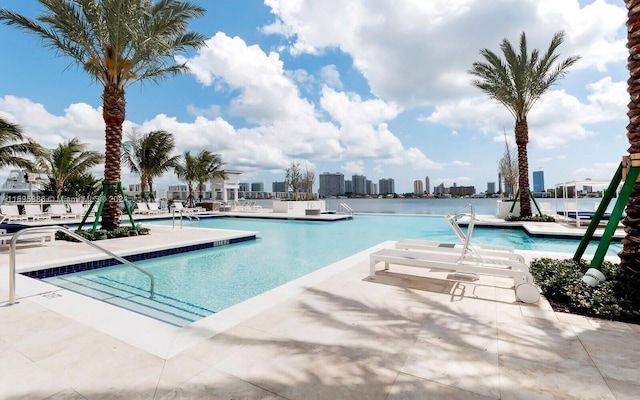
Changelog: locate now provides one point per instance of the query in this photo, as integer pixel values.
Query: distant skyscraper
(491, 187)
(331, 184)
(279, 187)
(243, 187)
(387, 186)
(369, 186)
(538, 181)
(359, 184)
(427, 185)
(257, 187)
(348, 186)
(417, 186)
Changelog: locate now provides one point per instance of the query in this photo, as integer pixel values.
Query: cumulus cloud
(419, 67)
(557, 118)
(331, 76)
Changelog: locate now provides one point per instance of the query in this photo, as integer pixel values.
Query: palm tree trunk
(630, 253)
(522, 139)
(113, 113)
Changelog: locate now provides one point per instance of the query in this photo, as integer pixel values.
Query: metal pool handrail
(66, 231)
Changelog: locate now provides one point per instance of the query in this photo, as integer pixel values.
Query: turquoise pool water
(203, 282)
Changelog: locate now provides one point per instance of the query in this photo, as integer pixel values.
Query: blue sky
(378, 88)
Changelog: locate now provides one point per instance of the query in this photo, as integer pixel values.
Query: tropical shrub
(617, 298)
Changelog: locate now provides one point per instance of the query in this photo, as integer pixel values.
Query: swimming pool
(193, 285)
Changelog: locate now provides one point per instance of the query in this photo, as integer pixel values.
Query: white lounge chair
(60, 211)
(470, 251)
(154, 208)
(11, 213)
(177, 206)
(45, 238)
(34, 212)
(525, 290)
(141, 208)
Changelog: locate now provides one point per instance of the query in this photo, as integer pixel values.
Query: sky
(372, 87)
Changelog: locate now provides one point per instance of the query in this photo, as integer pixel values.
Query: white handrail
(66, 231)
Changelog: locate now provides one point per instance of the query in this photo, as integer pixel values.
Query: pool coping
(159, 338)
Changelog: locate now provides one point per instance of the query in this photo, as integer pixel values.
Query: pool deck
(334, 334)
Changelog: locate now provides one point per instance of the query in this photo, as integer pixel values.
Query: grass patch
(617, 298)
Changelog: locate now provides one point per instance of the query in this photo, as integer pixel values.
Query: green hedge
(123, 231)
(533, 218)
(617, 298)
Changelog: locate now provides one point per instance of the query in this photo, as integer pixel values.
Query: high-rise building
(359, 184)
(417, 187)
(387, 186)
(369, 187)
(331, 184)
(427, 185)
(279, 187)
(257, 187)
(538, 181)
(348, 187)
(243, 187)
(439, 190)
(491, 187)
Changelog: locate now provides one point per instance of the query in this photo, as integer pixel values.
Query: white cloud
(458, 163)
(353, 168)
(556, 119)
(399, 47)
(331, 77)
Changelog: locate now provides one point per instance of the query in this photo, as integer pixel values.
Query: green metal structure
(517, 198)
(108, 189)
(628, 170)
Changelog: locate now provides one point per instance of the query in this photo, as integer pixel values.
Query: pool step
(132, 298)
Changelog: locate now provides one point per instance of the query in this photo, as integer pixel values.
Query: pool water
(200, 283)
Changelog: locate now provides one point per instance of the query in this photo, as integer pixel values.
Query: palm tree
(15, 146)
(187, 171)
(630, 253)
(68, 160)
(117, 43)
(518, 82)
(149, 156)
(209, 167)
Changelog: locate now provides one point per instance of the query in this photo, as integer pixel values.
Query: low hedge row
(617, 298)
(123, 231)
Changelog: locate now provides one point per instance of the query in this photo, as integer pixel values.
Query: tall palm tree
(518, 82)
(630, 253)
(187, 171)
(209, 167)
(15, 147)
(149, 156)
(117, 43)
(69, 160)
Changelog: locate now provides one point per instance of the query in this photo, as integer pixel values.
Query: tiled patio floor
(408, 334)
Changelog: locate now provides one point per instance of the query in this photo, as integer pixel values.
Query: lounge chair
(11, 213)
(524, 289)
(154, 208)
(466, 248)
(60, 211)
(34, 212)
(141, 208)
(490, 260)
(79, 209)
(45, 238)
(177, 206)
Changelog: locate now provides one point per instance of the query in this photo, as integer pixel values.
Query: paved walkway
(409, 334)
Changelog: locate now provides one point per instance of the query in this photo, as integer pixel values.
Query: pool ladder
(189, 217)
(66, 231)
(344, 208)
